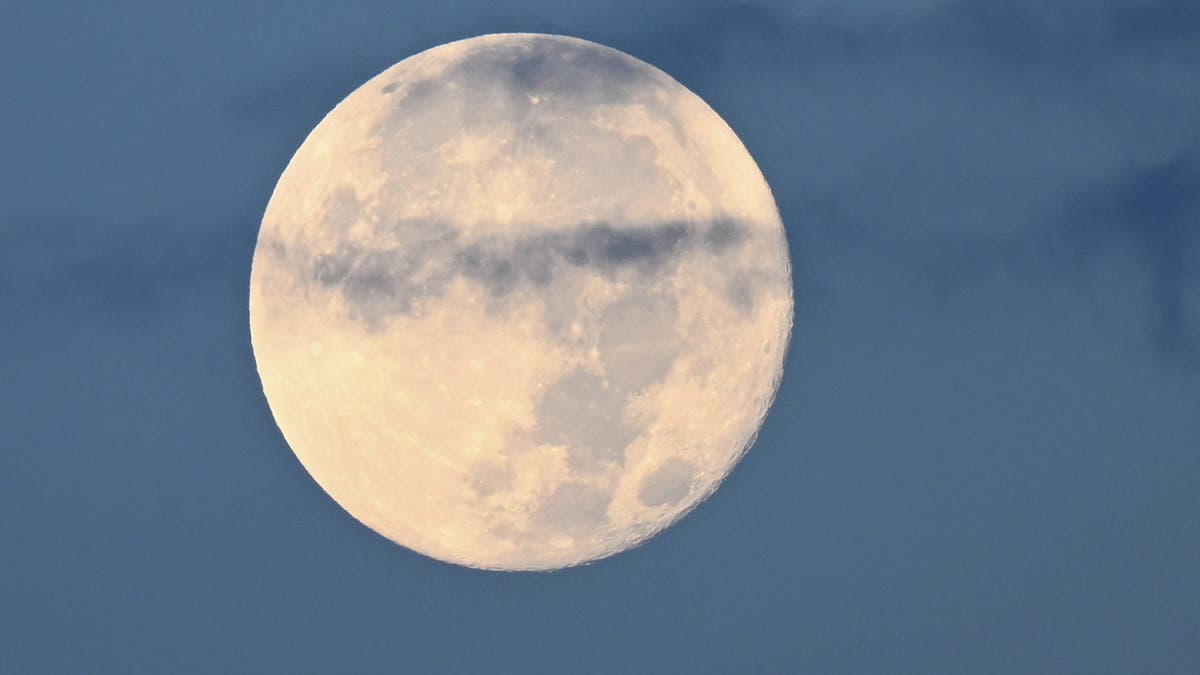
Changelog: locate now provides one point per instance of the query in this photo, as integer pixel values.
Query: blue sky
(984, 456)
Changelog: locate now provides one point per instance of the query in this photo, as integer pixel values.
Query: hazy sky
(984, 457)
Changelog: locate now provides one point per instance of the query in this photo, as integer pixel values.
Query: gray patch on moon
(740, 292)
(553, 66)
(540, 104)
(638, 341)
(491, 477)
(583, 74)
(341, 211)
(668, 484)
(574, 509)
(587, 417)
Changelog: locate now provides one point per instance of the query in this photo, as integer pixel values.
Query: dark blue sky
(984, 457)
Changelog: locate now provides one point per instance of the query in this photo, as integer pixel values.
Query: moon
(520, 302)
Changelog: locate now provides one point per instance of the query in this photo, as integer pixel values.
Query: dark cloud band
(380, 283)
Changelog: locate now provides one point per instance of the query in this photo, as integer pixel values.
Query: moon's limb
(520, 301)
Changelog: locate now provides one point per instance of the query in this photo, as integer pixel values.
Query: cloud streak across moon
(520, 302)
(380, 282)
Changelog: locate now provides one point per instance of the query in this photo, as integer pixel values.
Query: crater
(668, 484)
(740, 292)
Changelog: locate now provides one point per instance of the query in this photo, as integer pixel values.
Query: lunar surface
(520, 302)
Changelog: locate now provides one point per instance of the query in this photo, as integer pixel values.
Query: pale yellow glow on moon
(520, 302)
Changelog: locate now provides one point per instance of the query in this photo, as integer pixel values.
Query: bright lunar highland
(520, 301)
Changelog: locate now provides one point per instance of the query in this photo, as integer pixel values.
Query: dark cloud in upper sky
(1155, 213)
(1148, 214)
(982, 457)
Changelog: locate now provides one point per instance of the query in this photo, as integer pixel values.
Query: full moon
(520, 301)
